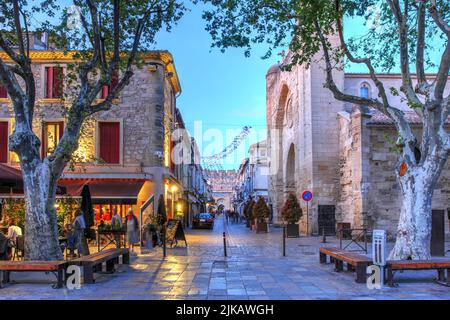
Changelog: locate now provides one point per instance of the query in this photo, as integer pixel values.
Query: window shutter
(61, 130)
(105, 91)
(49, 82)
(3, 92)
(3, 142)
(58, 77)
(110, 142)
(114, 80)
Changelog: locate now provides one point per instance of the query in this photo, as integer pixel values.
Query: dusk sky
(222, 92)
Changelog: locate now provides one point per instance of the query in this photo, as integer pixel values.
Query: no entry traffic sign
(307, 196)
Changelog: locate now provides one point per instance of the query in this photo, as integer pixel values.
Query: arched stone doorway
(276, 153)
(290, 177)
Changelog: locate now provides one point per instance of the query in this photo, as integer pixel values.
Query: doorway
(327, 220)
(438, 233)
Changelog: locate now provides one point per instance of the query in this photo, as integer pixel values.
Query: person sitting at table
(80, 226)
(132, 229)
(13, 232)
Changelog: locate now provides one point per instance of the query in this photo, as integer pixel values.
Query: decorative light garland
(213, 163)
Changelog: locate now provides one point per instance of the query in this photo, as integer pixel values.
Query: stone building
(252, 177)
(344, 156)
(222, 184)
(124, 154)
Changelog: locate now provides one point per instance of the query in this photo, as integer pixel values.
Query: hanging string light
(213, 163)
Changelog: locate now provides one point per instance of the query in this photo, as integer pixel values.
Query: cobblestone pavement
(254, 270)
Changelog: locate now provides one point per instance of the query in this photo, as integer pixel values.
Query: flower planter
(292, 230)
(261, 227)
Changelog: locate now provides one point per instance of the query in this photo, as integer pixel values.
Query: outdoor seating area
(355, 262)
(442, 266)
(93, 263)
(56, 267)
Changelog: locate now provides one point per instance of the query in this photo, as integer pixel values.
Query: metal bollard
(164, 241)
(324, 237)
(224, 244)
(284, 241)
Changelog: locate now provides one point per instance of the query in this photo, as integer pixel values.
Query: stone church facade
(342, 153)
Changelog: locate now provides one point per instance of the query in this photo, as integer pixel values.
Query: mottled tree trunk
(41, 228)
(414, 227)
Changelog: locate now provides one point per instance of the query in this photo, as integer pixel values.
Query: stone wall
(384, 198)
(368, 193)
(140, 109)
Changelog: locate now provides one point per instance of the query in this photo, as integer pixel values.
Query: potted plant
(291, 213)
(261, 213)
(248, 213)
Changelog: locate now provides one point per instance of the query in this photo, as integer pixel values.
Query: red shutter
(3, 142)
(172, 163)
(105, 92)
(3, 92)
(114, 80)
(58, 77)
(49, 82)
(61, 130)
(110, 142)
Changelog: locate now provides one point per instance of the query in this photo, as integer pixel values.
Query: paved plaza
(254, 270)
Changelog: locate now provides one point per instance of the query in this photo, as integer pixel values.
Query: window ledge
(52, 100)
(114, 102)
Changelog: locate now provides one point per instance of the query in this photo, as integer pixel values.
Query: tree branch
(403, 127)
(438, 19)
(422, 83)
(407, 85)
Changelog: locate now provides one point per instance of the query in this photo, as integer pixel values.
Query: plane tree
(405, 35)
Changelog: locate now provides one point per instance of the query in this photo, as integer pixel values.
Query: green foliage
(291, 23)
(396, 146)
(260, 210)
(248, 210)
(14, 210)
(161, 216)
(291, 211)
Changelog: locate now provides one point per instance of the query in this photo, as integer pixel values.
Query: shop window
(3, 92)
(54, 77)
(3, 142)
(109, 133)
(51, 135)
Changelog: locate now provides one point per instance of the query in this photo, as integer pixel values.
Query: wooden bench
(355, 262)
(93, 263)
(59, 267)
(441, 265)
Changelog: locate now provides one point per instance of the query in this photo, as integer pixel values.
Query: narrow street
(254, 270)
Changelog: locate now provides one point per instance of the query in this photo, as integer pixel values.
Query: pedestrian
(116, 221)
(79, 226)
(132, 229)
(14, 231)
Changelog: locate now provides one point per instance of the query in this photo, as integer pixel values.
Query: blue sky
(225, 91)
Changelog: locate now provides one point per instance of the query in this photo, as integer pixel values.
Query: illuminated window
(52, 133)
(54, 82)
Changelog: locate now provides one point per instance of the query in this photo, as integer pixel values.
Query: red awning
(10, 175)
(105, 190)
